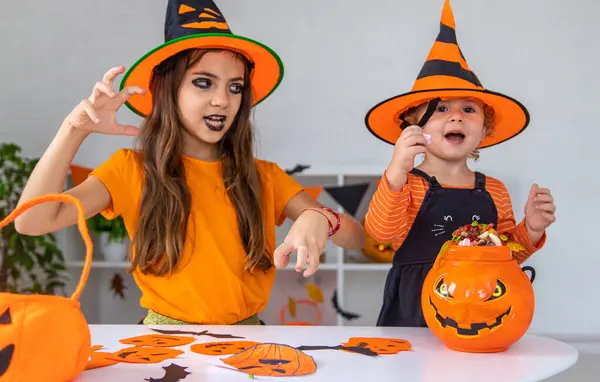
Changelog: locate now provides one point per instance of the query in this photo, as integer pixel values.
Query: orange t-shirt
(210, 285)
(392, 214)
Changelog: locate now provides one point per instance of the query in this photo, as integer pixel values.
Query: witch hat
(446, 75)
(200, 24)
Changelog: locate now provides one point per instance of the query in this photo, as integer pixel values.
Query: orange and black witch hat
(446, 75)
(200, 24)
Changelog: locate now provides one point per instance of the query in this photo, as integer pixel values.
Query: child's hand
(98, 112)
(408, 146)
(307, 237)
(539, 210)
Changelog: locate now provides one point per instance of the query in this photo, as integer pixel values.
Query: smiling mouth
(215, 122)
(475, 327)
(455, 137)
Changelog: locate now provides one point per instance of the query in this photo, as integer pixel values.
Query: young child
(200, 209)
(447, 117)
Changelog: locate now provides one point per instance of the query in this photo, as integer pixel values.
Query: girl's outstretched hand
(307, 237)
(98, 112)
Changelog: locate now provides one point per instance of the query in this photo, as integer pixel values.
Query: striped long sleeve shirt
(391, 214)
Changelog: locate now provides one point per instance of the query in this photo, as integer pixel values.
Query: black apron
(443, 211)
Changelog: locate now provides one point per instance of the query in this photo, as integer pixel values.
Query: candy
(427, 138)
(477, 234)
(465, 243)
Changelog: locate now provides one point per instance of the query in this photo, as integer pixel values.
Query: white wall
(342, 57)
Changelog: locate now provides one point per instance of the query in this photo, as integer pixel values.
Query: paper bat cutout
(236, 347)
(353, 349)
(379, 345)
(117, 285)
(297, 169)
(173, 373)
(202, 333)
(346, 315)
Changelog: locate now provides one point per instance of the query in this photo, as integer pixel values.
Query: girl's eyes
(236, 88)
(202, 83)
(205, 83)
(442, 109)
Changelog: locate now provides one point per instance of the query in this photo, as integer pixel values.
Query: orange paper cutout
(272, 360)
(221, 348)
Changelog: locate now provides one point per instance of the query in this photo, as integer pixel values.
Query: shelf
(366, 267)
(290, 267)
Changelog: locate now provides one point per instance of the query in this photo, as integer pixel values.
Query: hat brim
(265, 78)
(511, 117)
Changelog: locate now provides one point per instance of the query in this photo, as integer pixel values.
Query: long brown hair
(165, 206)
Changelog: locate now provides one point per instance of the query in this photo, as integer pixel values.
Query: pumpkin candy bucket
(477, 298)
(44, 338)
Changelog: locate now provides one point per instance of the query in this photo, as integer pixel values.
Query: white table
(533, 358)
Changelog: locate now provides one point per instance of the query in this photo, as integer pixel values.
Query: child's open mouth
(455, 137)
(215, 122)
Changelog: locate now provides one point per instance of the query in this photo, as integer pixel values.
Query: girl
(446, 117)
(200, 209)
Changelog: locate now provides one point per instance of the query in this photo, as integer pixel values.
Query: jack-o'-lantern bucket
(477, 298)
(43, 337)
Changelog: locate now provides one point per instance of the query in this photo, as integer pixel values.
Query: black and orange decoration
(275, 360)
(34, 329)
(199, 24)
(477, 299)
(446, 75)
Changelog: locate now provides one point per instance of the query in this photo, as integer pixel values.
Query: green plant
(115, 229)
(29, 264)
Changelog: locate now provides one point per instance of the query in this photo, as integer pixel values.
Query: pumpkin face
(158, 340)
(144, 354)
(6, 352)
(47, 331)
(379, 345)
(377, 251)
(221, 348)
(272, 360)
(477, 299)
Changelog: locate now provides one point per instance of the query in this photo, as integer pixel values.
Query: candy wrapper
(477, 234)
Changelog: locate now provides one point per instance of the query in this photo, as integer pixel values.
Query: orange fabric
(211, 286)
(79, 173)
(391, 214)
(448, 15)
(449, 52)
(45, 338)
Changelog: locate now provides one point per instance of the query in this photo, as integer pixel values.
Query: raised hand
(539, 209)
(98, 112)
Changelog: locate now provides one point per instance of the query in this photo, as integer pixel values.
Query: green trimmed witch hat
(200, 24)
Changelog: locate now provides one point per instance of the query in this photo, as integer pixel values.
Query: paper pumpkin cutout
(272, 360)
(202, 333)
(173, 373)
(139, 354)
(477, 298)
(99, 359)
(35, 328)
(221, 348)
(158, 340)
(379, 345)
